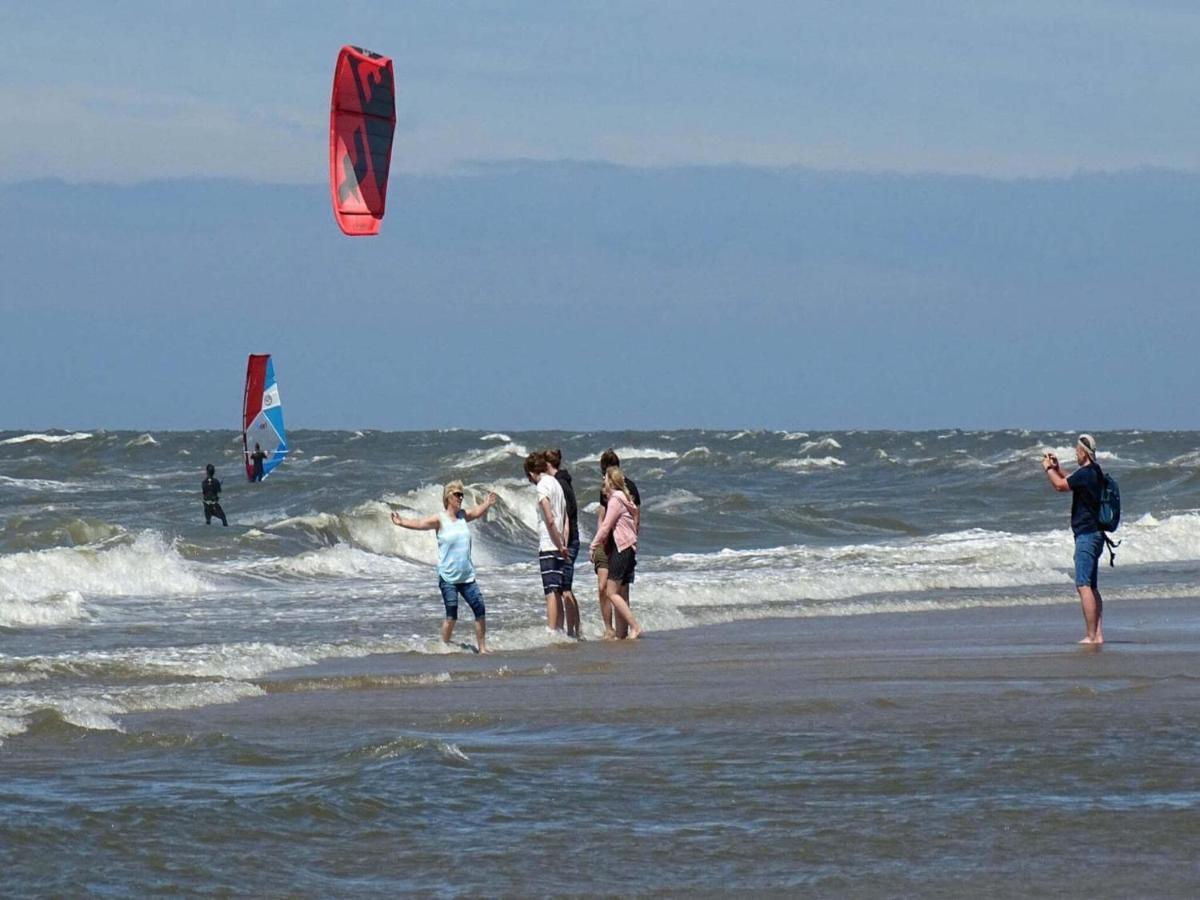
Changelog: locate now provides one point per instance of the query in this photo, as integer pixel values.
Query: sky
(607, 215)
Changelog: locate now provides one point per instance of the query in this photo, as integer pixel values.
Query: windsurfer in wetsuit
(211, 489)
(257, 457)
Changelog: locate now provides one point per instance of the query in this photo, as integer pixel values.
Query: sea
(129, 628)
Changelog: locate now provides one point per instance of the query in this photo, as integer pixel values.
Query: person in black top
(257, 458)
(569, 603)
(613, 624)
(1085, 486)
(210, 488)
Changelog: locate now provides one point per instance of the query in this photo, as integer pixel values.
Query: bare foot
(483, 648)
(609, 634)
(635, 633)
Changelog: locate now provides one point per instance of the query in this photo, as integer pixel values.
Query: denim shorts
(1089, 547)
(568, 573)
(468, 590)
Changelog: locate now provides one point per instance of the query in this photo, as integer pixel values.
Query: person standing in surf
(553, 528)
(563, 477)
(210, 490)
(257, 458)
(1084, 484)
(456, 572)
(620, 523)
(600, 555)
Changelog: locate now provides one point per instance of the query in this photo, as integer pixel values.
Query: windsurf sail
(362, 120)
(262, 415)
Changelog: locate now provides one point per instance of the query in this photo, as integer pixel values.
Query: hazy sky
(723, 215)
(126, 91)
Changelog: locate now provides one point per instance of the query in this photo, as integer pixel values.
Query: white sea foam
(674, 501)
(143, 440)
(626, 453)
(972, 559)
(810, 462)
(368, 526)
(96, 708)
(147, 566)
(48, 438)
(46, 610)
(474, 458)
(496, 436)
(823, 444)
(41, 485)
(696, 453)
(793, 435)
(345, 561)
(1033, 454)
(742, 434)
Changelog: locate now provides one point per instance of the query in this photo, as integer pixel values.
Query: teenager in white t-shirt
(553, 527)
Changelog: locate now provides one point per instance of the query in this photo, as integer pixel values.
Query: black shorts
(621, 565)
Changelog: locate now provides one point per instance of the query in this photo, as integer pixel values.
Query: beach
(934, 754)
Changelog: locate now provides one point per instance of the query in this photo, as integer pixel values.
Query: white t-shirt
(548, 487)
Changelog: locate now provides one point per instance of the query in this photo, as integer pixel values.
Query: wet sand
(929, 753)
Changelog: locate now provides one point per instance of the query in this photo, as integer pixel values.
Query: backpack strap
(1112, 548)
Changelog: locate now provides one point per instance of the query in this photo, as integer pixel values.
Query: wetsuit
(211, 489)
(257, 458)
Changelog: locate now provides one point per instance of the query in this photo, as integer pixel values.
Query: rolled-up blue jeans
(1089, 547)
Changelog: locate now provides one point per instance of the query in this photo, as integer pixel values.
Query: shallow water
(171, 693)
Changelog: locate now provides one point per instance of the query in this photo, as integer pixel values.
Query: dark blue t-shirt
(1085, 498)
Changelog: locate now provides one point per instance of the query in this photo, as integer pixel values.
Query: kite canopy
(362, 120)
(262, 414)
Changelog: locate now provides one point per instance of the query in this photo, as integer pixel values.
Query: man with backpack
(1095, 508)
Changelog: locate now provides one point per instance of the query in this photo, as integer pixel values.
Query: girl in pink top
(621, 521)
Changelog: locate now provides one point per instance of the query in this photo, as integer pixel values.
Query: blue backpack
(1108, 512)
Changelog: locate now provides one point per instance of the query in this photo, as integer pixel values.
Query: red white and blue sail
(262, 415)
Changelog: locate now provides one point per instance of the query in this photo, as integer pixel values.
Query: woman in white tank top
(456, 572)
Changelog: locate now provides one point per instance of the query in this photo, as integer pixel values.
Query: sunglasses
(458, 494)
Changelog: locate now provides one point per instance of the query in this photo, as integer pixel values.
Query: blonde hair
(450, 488)
(614, 480)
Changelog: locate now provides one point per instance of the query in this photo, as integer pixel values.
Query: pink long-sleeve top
(620, 522)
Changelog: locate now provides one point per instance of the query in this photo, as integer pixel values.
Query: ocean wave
(627, 453)
(95, 708)
(677, 500)
(146, 566)
(792, 435)
(344, 561)
(369, 527)
(1033, 454)
(497, 436)
(823, 444)
(49, 610)
(964, 560)
(48, 438)
(810, 462)
(475, 458)
(41, 485)
(143, 440)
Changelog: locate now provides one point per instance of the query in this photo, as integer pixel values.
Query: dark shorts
(468, 590)
(621, 565)
(553, 566)
(568, 575)
(1089, 547)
